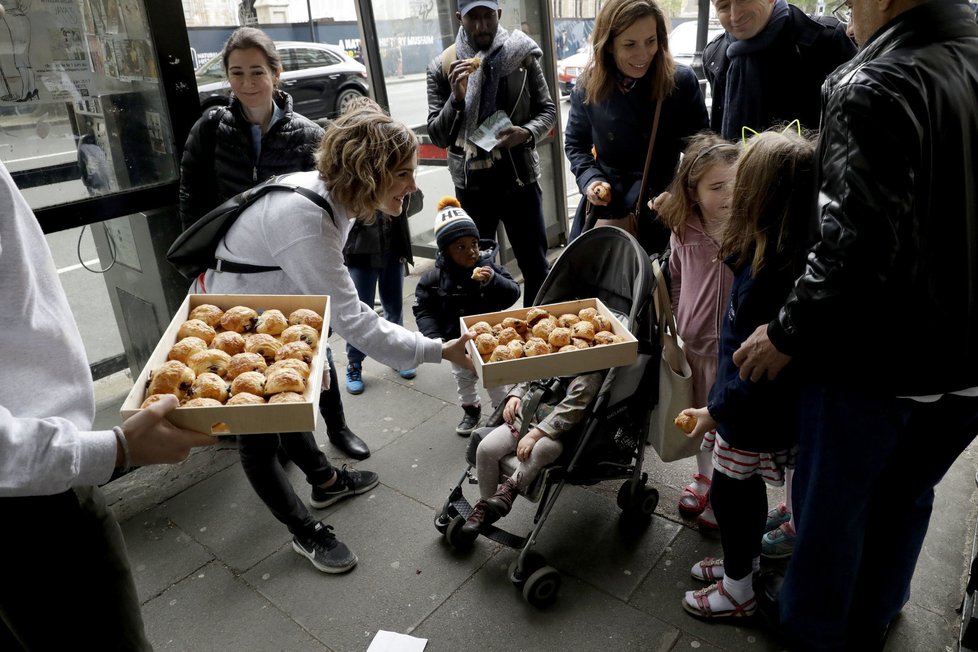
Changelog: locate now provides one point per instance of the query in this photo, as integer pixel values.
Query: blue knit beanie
(452, 223)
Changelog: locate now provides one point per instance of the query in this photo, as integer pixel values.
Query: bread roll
(500, 353)
(301, 333)
(230, 342)
(244, 398)
(307, 317)
(205, 312)
(516, 346)
(243, 362)
(290, 363)
(601, 323)
(566, 348)
(507, 335)
(250, 382)
(587, 314)
(518, 325)
(536, 347)
(568, 320)
(152, 398)
(559, 337)
(607, 337)
(185, 348)
(583, 330)
(201, 402)
(271, 322)
(534, 315)
(265, 345)
(211, 360)
(497, 329)
(196, 328)
(285, 380)
(480, 327)
(686, 423)
(208, 385)
(580, 342)
(543, 327)
(171, 377)
(239, 319)
(287, 397)
(485, 343)
(295, 350)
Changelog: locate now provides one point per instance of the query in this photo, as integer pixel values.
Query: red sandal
(703, 610)
(708, 570)
(690, 502)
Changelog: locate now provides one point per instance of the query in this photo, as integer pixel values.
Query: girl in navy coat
(770, 228)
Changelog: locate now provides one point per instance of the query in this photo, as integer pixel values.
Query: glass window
(212, 71)
(306, 58)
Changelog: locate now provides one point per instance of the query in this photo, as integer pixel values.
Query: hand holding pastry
(458, 76)
(599, 193)
(701, 420)
(482, 274)
(656, 202)
(154, 440)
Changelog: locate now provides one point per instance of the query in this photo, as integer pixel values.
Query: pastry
(485, 343)
(295, 350)
(208, 385)
(264, 345)
(567, 347)
(583, 330)
(244, 398)
(473, 63)
(287, 397)
(480, 327)
(587, 313)
(559, 337)
(534, 315)
(507, 335)
(568, 320)
(501, 352)
(607, 337)
(185, 348)
(516, 324)
(230, 342)
(202, 402)
(243, 362)
(272, 322)
(250, 382)
(477, 274)
(600, 192)
(211, 360)
(285, 380)
(516, 346)
(171, 377)
(536, 347)
(485, 356)
(239, 319)
(580, 342)
(497, 329)
(205, 312)
(685, 422)
(543, 328)
(307, 317)
(196, 328)
(301, 333)
(601, 323)
(152, 398)
(289, 363)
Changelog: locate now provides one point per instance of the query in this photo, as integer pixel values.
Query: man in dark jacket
(884, 318)
(769, 64)
(490, 70)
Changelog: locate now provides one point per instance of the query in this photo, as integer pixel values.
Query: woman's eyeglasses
(843, 11)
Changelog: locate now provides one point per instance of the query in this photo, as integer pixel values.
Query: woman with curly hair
(609, 126)
(365, 163)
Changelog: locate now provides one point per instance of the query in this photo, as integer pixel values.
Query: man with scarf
(491, 69)
(769, 65)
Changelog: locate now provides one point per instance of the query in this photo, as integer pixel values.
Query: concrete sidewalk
(215, 571)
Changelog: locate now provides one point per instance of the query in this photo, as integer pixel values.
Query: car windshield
(211, 71)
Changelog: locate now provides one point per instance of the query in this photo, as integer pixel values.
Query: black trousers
(740, 507)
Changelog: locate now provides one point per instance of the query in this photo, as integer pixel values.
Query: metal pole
(312, 30)
(370, 47)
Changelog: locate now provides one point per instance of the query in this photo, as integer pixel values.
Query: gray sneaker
(349, 482)
(322, 548)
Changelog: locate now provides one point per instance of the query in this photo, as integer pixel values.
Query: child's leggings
(501, 442)
(741, 511)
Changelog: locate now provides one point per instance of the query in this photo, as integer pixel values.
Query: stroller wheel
(639, 506)
(532, 561)
(541, 587)
(441, 522)
(456, 537)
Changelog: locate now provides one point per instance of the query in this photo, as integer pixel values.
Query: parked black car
(321, 78)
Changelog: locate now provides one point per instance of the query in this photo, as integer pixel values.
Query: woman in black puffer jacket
(233, 148)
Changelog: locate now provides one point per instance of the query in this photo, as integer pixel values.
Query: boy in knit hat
(466, 281)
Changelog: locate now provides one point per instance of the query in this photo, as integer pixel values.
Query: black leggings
(741, 511)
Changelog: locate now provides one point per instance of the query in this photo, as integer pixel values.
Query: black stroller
(609, 443)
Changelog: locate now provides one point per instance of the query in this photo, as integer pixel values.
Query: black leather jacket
(523, 95)
(889, 296)
(219, 158)
(791, 71)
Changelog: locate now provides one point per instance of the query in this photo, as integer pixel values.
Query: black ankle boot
(344, 439)
(340, 435)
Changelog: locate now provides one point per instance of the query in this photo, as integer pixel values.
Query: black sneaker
(470, 420)
(322, 548)
(349, 482)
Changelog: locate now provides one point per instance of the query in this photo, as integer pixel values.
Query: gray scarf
(743, 100)
(504, 55)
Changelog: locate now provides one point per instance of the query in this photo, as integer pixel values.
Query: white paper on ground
(385, 641)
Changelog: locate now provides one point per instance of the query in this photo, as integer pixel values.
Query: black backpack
(192, 253)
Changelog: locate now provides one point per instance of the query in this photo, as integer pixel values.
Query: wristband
(126, 458)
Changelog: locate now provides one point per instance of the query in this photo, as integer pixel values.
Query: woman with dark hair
(234, 147)
(610, 124)
(366, 163)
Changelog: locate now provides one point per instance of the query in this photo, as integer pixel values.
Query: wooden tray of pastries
(239, 363)
(558, 339)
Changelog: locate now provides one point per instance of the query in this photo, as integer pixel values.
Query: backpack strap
(447, 57)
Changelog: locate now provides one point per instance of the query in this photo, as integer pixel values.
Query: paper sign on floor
(386, 641)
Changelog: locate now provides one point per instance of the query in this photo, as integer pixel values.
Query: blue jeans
(863, 494)
(390, 280)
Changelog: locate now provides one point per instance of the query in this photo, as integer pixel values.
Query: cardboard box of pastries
(618, 351)
(241, 419)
